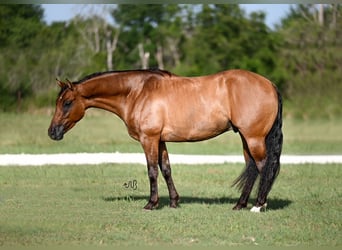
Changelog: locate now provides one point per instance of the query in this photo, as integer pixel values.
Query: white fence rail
(139, 158)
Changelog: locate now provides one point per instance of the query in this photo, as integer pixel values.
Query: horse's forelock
(62, 91)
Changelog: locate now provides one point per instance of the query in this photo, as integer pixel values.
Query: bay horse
(158, 106)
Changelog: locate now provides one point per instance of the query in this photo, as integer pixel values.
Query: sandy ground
(139, 158)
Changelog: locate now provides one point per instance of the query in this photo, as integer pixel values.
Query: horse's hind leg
(257, 149)
(247, 178)
(267, 176)
(165, 168)
(269, 167)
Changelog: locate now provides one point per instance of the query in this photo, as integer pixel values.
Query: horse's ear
(69, 84)
(60, 83)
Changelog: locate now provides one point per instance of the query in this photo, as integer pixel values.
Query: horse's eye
(67, 105)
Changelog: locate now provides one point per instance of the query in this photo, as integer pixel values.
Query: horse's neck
(105, 93)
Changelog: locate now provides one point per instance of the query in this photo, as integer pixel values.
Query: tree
(29, 67)
(223, 37)
(150, 30)
(312, 57)
(20, 25)
(100, 35)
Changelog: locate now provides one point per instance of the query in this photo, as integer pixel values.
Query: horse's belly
(193, 131)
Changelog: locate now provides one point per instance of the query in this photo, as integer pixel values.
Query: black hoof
(174, 202)
(239, 206)
(151, 205)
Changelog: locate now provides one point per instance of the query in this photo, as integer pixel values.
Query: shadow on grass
(273, 203)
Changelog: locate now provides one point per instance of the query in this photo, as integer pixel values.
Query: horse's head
(69, 110)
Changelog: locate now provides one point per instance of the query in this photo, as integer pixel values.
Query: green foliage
(19, 24)
(225, 38)
(312, 56)
(303, 56)
(156, 28)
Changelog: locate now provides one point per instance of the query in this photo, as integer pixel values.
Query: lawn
(90, 206)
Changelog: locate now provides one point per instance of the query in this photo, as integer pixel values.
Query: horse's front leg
(150, 147)
(165, 168)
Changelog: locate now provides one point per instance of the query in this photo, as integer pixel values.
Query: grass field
(89, 206)
(101, 131)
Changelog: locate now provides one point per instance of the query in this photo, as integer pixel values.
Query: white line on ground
(139, 158)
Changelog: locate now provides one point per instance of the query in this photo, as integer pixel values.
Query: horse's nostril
(56, 132)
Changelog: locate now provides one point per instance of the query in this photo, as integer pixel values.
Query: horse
(158, 107)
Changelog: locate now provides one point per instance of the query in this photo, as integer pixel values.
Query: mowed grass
(90, 206)
(101, 131)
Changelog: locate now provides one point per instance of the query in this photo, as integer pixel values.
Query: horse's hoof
(255, 209)
(239, 207)
(174, 203)
(151, 205)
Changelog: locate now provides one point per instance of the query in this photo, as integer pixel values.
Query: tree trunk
(334, 16)
(174, 51)
(159, 56)
(144, 56)
(321, 14)
(111, 47)
(97, 40)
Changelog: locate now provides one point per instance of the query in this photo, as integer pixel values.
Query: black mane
(153, 71)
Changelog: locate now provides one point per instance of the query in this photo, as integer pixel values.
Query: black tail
(274, 142)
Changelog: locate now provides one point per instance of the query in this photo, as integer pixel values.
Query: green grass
(89, 206)
(101, 131)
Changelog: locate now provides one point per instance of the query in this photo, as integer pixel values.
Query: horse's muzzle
(56, 132)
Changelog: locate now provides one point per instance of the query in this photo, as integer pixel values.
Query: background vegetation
(302, 55)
